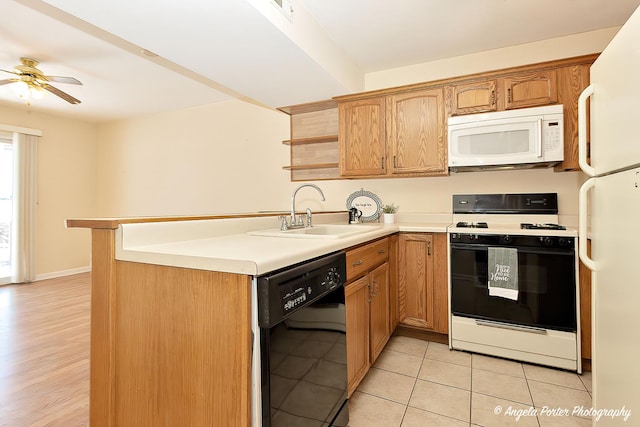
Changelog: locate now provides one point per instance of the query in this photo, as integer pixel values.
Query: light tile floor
(419, 383)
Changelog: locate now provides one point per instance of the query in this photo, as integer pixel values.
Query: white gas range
(513, 275)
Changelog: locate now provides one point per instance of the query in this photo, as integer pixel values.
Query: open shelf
(314, 151)
(311, 140)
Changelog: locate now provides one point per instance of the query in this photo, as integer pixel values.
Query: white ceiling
(213, 50)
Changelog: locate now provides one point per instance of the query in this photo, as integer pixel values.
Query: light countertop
(224, 245)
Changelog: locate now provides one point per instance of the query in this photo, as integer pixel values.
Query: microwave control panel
(553, 134)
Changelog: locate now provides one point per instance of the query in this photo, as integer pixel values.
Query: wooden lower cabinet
(368, 327)
(422, 281)
(379, 329)
(367, 300)
(357, 308)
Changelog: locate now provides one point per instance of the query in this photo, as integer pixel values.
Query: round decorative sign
(368, 203)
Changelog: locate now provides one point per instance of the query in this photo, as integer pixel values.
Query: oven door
(546, 287)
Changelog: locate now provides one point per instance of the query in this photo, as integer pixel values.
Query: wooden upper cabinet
(530, 89)
(416, 132)
(361, 135)
(476, 97)
(572, 81)
(402, 131)
(400, 134)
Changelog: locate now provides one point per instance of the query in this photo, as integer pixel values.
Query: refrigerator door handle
(582, 224)
(582, 131)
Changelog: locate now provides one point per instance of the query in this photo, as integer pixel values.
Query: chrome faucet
(300, 223)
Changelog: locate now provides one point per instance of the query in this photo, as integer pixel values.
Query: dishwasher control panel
(283, 292)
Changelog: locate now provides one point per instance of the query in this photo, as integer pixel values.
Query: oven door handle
(521, 249)
(582, 224)
(512, 327)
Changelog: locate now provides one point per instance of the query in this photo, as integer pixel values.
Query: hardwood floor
(44, 353)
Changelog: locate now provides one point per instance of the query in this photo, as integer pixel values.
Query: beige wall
(220, 158)
(529, 53)
(66, 187)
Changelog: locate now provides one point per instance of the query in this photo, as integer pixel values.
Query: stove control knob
(564, 241)
(507, 239)
(547, 241)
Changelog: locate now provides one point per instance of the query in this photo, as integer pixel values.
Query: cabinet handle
(381, 251)
(382, 162)
(371, 293)
(493, 97)
(509, 95)
(429, 248)
(357, 263)
(395, 164)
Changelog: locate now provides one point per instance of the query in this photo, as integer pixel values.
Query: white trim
(18, 129)
(63, 273)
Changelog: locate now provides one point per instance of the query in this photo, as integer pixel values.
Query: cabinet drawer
(363, 259)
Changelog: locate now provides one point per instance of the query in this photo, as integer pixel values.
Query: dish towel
(503, 272)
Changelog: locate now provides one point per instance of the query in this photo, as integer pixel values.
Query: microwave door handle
(540, 137)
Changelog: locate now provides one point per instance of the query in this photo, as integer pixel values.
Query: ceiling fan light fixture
(27, 91)
(31, 83)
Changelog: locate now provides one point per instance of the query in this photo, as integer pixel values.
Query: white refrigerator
(610, 216)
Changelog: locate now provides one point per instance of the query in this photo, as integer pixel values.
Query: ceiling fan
(34, 80)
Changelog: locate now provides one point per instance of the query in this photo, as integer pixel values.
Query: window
(18, 154)
(6, 205)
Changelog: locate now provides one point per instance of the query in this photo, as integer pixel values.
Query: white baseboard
(63, 273)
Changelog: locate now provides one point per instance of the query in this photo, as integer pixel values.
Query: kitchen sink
(320, 231)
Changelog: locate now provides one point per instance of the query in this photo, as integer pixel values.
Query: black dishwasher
(301, 314)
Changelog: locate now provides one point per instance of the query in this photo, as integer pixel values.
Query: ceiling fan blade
(7, 81)
(11, 72)
(61, 79)
(70, 99)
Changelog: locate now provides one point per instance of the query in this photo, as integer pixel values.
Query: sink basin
(320, 231)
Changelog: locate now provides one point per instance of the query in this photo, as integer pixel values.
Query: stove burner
(527, 226)
(464, 224)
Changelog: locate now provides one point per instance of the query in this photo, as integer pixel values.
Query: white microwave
(525, 137)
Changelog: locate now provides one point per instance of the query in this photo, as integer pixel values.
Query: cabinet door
(571, 82)
(379, 310)
(415, 284)
(474, 97)
(417, 132)
(357, 311)
(530, 89)
(361, 137)
(393, 282)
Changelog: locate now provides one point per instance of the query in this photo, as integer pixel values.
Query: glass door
(6, 206)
